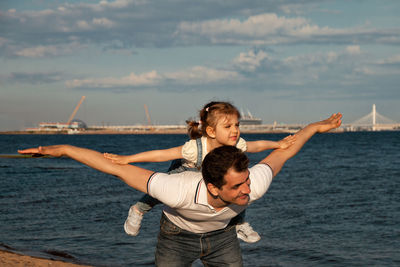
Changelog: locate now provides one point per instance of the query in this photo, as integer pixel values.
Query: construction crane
(75, 111)
(148, 117)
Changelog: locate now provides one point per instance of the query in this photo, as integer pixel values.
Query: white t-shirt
(185, 198)
(189, 150)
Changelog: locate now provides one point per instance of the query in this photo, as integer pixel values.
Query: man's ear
(210, 131)
(212, 189)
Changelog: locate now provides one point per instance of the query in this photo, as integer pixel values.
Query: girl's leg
(239, 219)
(244, 230)
(145, 204)
(136, 212)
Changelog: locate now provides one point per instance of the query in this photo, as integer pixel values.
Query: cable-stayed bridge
(373, 121)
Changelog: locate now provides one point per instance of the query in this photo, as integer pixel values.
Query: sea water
(336, 203)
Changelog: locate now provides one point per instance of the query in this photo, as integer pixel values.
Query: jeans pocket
(169, 228)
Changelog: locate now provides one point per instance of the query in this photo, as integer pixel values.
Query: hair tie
(207, 109)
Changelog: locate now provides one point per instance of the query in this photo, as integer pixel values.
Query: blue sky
(287, 61)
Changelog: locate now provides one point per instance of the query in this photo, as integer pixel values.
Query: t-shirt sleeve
(261, 176)
(170, 189)
(189, 151)
(242, 145)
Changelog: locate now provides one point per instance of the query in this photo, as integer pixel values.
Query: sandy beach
(9, 259)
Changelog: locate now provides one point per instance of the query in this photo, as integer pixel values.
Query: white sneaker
(245, 232)
(133, 222)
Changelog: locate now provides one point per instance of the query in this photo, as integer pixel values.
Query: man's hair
(217, 163)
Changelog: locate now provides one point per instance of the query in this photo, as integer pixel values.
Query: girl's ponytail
(194, 129)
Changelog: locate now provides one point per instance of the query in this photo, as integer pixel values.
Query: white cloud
(331, 57)
(344, 66)
(38, 51)
(365, 71)
(149, 78)
(104, 22)
(48, 50)
(201, 75)
(353, 49)
(394, 59)
(3, 41)
(293, 9)
(193, 76)
(94, 23)
(255, 27)
(132, 80)
(251, 60)
(119, 3)
(267, 28)
(83, 25)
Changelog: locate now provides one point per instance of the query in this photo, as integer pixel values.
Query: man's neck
(216, 202)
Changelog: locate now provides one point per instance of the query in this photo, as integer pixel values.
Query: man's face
(237, 188)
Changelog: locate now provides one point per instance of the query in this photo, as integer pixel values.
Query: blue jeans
(177, 247)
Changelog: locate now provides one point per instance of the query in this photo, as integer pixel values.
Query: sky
(288, 61)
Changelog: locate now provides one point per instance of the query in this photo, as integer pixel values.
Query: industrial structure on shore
(249, 119)
(71, 125)
(248, 124)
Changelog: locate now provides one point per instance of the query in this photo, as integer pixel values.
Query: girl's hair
(209, 116)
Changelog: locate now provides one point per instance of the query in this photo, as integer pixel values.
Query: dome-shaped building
(77, 124)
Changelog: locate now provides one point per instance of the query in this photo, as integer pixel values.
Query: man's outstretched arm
(133, 176)
(278, 157)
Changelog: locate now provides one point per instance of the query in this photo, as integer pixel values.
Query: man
(199, 207)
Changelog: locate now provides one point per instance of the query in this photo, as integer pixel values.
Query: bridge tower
(372, 121)
(373, 117)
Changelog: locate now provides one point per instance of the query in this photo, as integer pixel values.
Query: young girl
(219, 125)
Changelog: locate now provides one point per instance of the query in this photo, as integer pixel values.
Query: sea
(336, 203)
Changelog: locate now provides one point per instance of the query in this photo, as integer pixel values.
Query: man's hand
(55, 151)
(330, 123)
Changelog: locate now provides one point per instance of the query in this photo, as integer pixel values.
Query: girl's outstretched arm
(133, 176)
(261, 145)
(147, 156)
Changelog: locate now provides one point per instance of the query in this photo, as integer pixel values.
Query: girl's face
(226, 131)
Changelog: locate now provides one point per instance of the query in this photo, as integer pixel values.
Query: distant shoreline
(171, 131)
(88, 132)
(128, 132)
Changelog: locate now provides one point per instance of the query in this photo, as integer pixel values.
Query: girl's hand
(287, 141)
(122, 160)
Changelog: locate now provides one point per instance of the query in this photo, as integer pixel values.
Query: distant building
(248, 119)
(74, 124)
